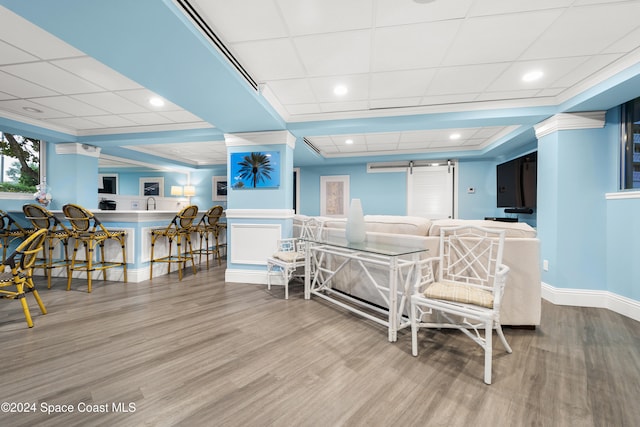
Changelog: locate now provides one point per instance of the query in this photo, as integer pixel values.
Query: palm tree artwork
(255, 169)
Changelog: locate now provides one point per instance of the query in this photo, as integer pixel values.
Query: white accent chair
(462, 288)
(290, 255)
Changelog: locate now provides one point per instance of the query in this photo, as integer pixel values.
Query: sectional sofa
(522, 298)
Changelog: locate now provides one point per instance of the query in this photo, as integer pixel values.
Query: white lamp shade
(176, 190)
(189, 190)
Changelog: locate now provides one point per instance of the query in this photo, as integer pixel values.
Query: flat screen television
(517, 182)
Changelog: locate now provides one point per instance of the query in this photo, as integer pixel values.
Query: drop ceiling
(416, 73)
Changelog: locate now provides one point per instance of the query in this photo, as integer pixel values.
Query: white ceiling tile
(329, 107)
(381, 148)
(515, 94)
(260, 62)
(52, 77)
(111, 102)
(400, 84)
(448, 99)
(292, 91)
(18, 106)
(497, 38)
(74, 123)
(585, 69)
(70, 106)
(391, 12)
(464, 79)
(606, 24)
(628, 43)
(357, 85)
(414, 136)
(97, 73)
(340, 140)
(4, 96)
(111, 121)
(382, 138)
(394, 103)
(141, 97)
(325, 16)
(298, 109)
(551, 91)
(12, 55)
(180, 116)
(242, 20)
(553, 69)
(412, 46)
(417, 145)
(494, 7)
(335, 54)
(21, 88)
(147, 118)
(354, 148)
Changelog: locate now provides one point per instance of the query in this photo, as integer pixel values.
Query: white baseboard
(592, 298)
(257, 277)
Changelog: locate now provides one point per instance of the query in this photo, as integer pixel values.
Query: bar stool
(89, 231)
(43, 219)
(179, 229)
(9, 231)
(20, 276)
(210, 225)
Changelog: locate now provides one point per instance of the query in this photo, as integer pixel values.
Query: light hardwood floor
(206, 352)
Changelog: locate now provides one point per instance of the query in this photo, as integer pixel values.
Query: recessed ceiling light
(532, 76)
(32, 110)
(156, 101)
(348, 141)
(340, 90)
(454, 136)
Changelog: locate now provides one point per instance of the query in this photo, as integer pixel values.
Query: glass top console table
(326, 257)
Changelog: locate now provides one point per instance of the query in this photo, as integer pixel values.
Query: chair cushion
(289, 256)
(458, 292)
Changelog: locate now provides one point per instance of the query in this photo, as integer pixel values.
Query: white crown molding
(79, 149)
(570, 121)
(623, 195)
(592, 298)
(260, 213)
(260, 138)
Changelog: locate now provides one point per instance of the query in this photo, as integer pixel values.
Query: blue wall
(380, 193)
(386, 193)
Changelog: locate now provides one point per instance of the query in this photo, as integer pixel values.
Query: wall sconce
(176, 190)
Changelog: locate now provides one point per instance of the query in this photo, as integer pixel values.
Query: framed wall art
(219, 188)
(152, 186)
(334, 195)
(257, 169)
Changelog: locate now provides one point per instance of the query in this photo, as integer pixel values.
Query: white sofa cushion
(512, 229)
(394, 224)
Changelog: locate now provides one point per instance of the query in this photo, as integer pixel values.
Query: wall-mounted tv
(517, 182)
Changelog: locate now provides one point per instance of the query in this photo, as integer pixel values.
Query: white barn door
(430, 192)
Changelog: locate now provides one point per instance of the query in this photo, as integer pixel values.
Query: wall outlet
(545, 265)
(471, 190)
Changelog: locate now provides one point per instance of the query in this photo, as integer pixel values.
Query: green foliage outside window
(19, 164)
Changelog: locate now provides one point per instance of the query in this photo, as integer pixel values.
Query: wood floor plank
(204, 352)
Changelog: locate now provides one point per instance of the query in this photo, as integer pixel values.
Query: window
(630, 170)
(19, 163)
